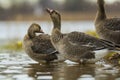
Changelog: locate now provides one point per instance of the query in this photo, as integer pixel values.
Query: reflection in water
(73, 72)
(19, 66)
(43, 71)
(62, 71)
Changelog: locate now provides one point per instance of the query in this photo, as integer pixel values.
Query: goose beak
(49, 10)
(41, 31)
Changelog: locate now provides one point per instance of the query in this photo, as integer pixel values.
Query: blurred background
(77, 15)
(16, 16)
(35, 9)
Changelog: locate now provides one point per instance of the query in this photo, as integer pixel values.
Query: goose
(108, 29)
(77, 46)
(39, 48)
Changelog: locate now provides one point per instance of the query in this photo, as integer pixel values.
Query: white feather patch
(101, 53)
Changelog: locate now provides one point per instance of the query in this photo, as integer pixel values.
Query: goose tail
(111, 45)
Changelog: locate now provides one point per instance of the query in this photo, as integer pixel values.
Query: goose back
(42, 44)
(77, 45)
(108, 29)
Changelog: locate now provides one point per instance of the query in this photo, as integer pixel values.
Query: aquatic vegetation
(12, 46)
(92, 33)
(115, 58)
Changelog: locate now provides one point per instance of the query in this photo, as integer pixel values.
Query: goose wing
(42, 44)
(89, 42)
(112, 24)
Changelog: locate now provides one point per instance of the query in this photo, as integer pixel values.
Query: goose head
(100, 2)
(56, 18)
(33, 29)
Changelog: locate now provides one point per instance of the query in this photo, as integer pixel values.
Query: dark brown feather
(112, 24)
(42, 44)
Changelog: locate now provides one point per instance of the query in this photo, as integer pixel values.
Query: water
(10, 30)
(18, 66)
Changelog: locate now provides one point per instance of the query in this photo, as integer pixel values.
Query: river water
(18, 66)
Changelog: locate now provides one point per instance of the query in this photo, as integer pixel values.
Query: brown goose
(78, 46)
(108, 29)
(39, 48)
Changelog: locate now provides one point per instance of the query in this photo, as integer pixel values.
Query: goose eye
(52, 12)
(55, 12)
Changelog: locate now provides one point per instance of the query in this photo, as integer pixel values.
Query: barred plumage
(77, 45)
(108, 29)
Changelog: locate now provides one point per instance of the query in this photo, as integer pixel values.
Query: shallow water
(18, 66)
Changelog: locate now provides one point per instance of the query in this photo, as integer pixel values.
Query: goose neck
(31, 33)
(101, 15)
(57, 23)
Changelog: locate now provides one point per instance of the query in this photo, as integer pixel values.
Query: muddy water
(18, 66)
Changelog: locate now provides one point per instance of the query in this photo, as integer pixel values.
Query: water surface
(18, 66)
(12, 29)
